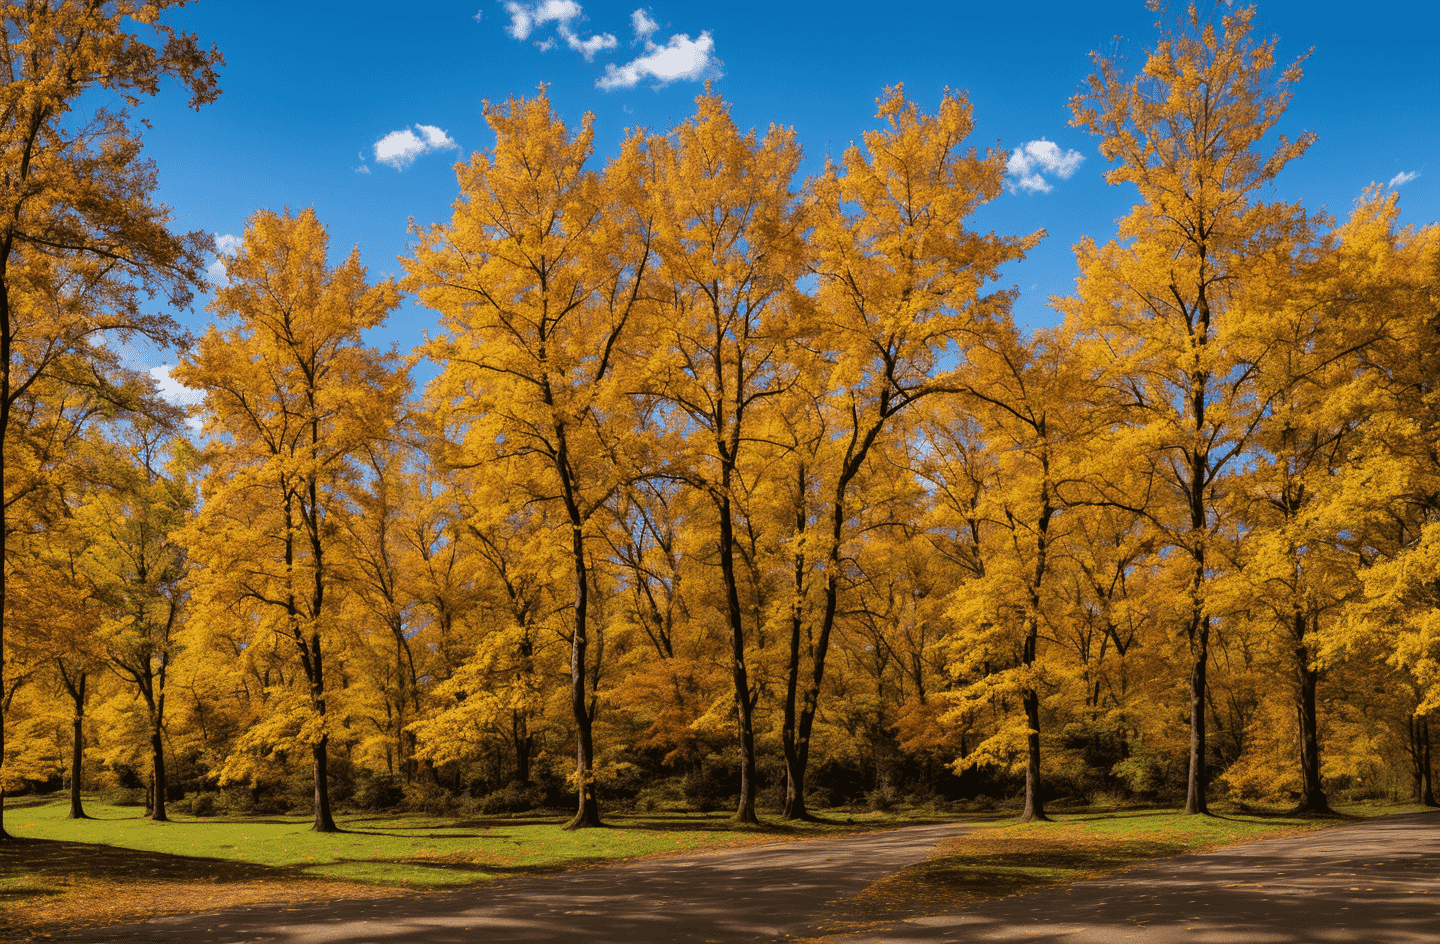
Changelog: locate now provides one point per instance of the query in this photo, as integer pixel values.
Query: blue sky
(360, 109)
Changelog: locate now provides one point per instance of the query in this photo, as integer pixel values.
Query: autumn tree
(292, 397)
(82, 241)
(1168, 297)
(536, 279)
(901, 285)
(1387, 497)
(730, 243)
(138, 567)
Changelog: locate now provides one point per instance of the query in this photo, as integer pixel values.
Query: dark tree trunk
(77, 763)
(1195, 794)
(1427, 779)
(745, 811)
(75, 687)
(157, 767)
(1034, 803)
(324, 822)
(792, 741)
(523, 745)
(7, 332)
(587, 813)
(1420, 756)
(1312, 793)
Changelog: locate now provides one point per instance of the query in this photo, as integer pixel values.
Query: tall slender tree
(292, 397)
(902, 283)
(537, 279)
(1167, 301)
(729, 237)
(82, 241)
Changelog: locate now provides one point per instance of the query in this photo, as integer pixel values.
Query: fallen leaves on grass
(78, 904)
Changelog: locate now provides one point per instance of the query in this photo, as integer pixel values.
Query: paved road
(1372, 883)
(1376, 883)
(755, 893)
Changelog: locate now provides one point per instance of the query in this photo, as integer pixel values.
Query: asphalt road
(1372, 883)
(1376, 882)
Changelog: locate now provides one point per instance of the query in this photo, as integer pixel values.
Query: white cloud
(525, 17)
(642, 24)
(171, 390)
(226, 245)
(1030, 162)
(1404, 177)
(478, 15)
(399, 148)
(587, 47)
(680, 58)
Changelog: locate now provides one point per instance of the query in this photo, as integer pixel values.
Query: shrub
(424, 797)
(514, 797)
(379, 792)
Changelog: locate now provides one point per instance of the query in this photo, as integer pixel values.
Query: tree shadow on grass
(88, 862)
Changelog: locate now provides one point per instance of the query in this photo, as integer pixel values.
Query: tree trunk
(1195, 794)
(324, 822)
(523, 742)
(745, 811)
(1427, 792)
(157, 767)
(1312, 793)
(1034, 803)
(587, 813)
(77, 764)
(790, 740)
(75, 687)
(1424, 777)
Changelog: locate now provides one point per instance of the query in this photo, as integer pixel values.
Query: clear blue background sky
(311, 89)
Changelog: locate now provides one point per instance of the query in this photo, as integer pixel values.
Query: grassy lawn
(1007, 858)
(73, 872)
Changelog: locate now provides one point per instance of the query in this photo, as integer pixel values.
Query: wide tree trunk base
(585, 820)
(1313, 808)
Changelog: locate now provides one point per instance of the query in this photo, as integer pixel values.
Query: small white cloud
(226, 245)
(171, 390)
(680, 58)
(587, 47)
(478, 15)
(642, 24)
(1031, 161)
(1404, 177)
(525, 17)
(399, 148)
(363, 169)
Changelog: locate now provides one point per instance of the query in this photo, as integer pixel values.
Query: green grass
(410, 849)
